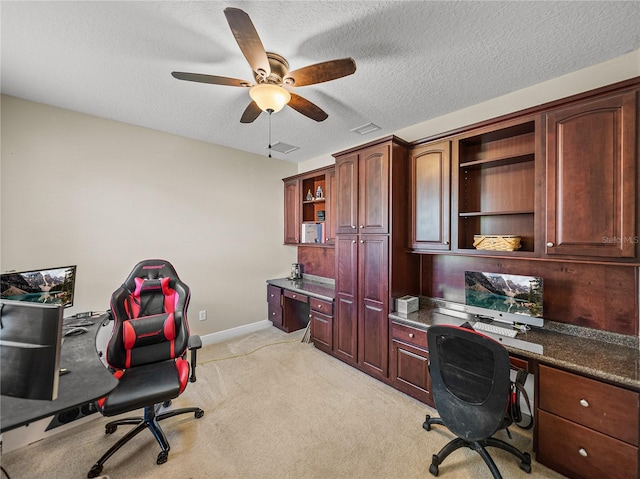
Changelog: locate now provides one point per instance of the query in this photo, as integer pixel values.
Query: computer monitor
(30, 342)
(49, 286)
(505, 297)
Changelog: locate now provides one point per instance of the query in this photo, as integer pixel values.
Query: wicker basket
(496, 242)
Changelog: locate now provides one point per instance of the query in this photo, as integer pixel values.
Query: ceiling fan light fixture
(269, 96)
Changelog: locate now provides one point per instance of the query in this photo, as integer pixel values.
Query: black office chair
(147, 352)
(470, 384)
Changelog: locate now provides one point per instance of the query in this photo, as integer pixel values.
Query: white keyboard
(492, 328)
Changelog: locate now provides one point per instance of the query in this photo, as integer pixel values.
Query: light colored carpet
(275, 408)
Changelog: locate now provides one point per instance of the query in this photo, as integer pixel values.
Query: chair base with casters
(479, 447)
(149, 420)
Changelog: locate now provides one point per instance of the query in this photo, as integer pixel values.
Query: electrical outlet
(203, 315)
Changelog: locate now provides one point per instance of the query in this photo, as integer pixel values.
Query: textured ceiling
(415, 60)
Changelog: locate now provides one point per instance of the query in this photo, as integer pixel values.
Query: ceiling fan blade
(248, 40)
(304, 106)
(322, 72)
(250, 113)
(213, 79)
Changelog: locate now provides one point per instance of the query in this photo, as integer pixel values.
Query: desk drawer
(273, 294)
(603, 407)
(409, 335)
(275, 314)
(579, 452)
(321, 306)
(296, 296)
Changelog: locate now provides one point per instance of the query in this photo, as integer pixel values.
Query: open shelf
(496, 191)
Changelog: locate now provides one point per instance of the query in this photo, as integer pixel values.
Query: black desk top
(87, 381)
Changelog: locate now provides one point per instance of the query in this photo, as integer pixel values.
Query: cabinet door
(430, 196)
(373, 337)
(345, 339)
(292, 211)
(591, 176)
(410, 371)
(346, 194)
(373, 193)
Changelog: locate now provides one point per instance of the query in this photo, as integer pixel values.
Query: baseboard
(227, 334)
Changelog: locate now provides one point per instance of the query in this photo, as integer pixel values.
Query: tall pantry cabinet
(371, 212)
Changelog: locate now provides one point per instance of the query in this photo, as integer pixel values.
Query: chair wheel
(433, 469)
(199, 413)
(426, 425)
(95, 470)
(110, 428)
(162, 457)
(525, 465)
(166, 404)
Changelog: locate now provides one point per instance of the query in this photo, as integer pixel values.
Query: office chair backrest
(470, 380)
(150, 316)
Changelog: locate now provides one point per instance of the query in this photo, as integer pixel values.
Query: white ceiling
(415, 60)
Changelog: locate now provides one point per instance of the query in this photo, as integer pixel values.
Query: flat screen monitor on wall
(505, 297)
(44, 286)
(30, 342)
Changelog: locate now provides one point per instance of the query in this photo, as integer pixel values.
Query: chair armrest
(194, 344)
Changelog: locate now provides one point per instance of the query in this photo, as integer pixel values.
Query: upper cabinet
(307, 208)
(430, 193)
(363, 191)
(591, 178)
(495, 184)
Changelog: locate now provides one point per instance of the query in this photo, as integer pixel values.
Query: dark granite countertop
(604, 356)
(314, 286)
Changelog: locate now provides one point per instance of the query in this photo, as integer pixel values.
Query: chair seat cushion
(142, 386)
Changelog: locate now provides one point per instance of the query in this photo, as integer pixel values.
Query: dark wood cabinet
(371, 223)
(373, 281)
(345, 330)
(321, 317)
(330, 223)
(292, 211)
(410, 362)
(274, 304)
(430, 197)
(586, 429)
(592, 194)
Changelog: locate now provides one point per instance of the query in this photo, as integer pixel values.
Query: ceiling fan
(271, 74)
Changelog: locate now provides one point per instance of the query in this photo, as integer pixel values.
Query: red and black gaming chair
(147, 352)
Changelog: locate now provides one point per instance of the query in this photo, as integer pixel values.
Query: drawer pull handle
(550, 244)
(584, 403)
(319, 306)
(583, 452)
(293, 295)
(411, 335)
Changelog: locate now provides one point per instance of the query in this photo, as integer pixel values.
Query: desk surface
(87, 381)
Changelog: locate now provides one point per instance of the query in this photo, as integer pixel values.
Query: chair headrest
(150, 269)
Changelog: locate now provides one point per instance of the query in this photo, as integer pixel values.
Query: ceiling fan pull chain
(270, 111)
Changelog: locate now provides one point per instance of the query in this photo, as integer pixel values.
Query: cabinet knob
(326, 239)
(273, 314)
(550, 244)
(411, 335)
(583, 452)
(353, 241)
(446, 242)
(293, 295)
(361, 227)
(584, 403)
(319, 306)
(272, 296)
(353, 227)
(361, 241)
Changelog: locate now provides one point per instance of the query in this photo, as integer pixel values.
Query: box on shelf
(313, 232)
(407, 304)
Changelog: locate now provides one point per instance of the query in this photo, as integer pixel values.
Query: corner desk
(88, 379)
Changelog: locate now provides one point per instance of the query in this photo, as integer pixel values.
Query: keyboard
(492, 328)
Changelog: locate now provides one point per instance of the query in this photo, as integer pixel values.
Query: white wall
(104, 195)
(615, 70)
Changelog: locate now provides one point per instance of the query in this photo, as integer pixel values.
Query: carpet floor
(275, 408)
